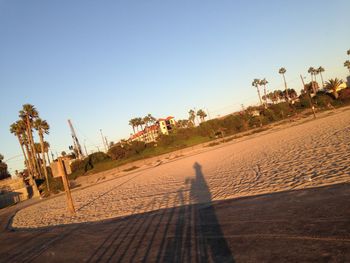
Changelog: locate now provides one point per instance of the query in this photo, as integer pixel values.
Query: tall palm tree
(332, 85)
(46, 150)
(192, 116)
(132, 123)
(348, 52)
(283, 71)
(43, 128)
(146, 120)
(347, 64)
(256, 83)
(319, 71)
(28, 114)
(139, 122)
(312, 71)
(151, 118)
(263, 82)
(201, 113)
(18, 129)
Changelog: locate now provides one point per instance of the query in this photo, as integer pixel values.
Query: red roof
(167, 118)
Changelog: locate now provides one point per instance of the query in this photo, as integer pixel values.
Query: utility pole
(106, 144)
(85, 149)
(309, 96)
(76, 143)
(208, 113)
(103, 140)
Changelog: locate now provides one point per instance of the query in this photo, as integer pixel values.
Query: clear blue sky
(102, 63)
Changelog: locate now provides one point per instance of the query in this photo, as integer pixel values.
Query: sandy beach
(311, 154)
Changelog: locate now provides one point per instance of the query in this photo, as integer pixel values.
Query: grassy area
(147, 153)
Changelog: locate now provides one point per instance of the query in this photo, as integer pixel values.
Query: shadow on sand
(185, 233)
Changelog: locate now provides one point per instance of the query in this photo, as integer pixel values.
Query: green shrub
(304, 102)
(344, 95)
(98, 157)
(323, 100)
(76, 165)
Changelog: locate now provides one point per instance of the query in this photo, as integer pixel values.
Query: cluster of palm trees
(313, 73)
(29, 120)
(190, 122)
(347, 62)
(257, 83)
(287, 94)
(277, 96)
(141, 122)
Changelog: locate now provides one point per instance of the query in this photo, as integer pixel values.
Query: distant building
(166, 125)
(151, 133)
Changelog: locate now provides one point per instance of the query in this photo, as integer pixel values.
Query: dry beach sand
(314, 153)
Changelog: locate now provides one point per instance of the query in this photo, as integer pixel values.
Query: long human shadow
(198, 235)
(186, 232)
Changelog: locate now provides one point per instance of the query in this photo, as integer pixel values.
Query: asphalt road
(311, 225)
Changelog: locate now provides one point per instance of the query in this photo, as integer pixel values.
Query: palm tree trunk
(44, 160)
(259, 95)
(25, 156)
(312, 84)
(32, 146)
(322, 79)
(31, 174)
(285, 86)
(265, 96)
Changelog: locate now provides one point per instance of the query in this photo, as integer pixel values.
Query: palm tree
(201, 113)
(312, 71)
(320, 70)
(182, 123)
(46, 150)
(348, 52)
(43, 127)
(139, 122)
(192, 116)
(18, 129)
(151, 118)
(263, 82)
(256, 83)
(28, 114)
(347, 64)
(332, 85)
(282, 71)
(132, 123)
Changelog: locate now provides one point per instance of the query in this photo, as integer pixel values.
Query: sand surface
(311, 154)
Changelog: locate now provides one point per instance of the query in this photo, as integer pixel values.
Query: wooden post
(66, 186)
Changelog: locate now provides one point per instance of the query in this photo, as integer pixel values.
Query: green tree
(312, 72)
(201, 114)
(256, 83)
(191, 117)
(320, 70)
(19, 130)
(28, 114)
(283, 71)
(347, 64)
(263, 83)
(43, 128)
(332, 85)
(133, 123)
